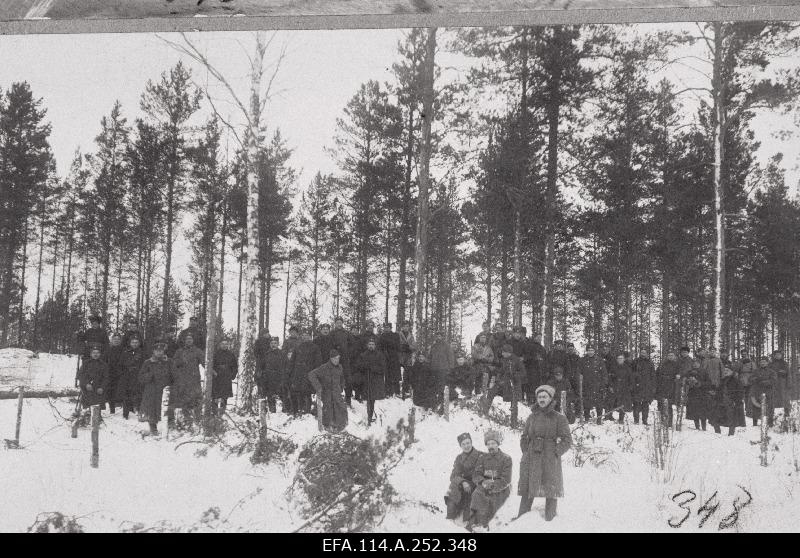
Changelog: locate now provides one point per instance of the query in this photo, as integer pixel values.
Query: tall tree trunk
(38, 283)
(221, 287)
(404, 223)
(488, 285)
(286, 300)
(168, 241)
(504, 286)
(211, 343)
(421, 247)
(247, 356)
(719, 123)
(239, 297)
(517, 268)
(119, 286)
(22, 288)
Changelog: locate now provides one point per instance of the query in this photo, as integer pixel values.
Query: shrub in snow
(341, 483)
(55, 522)
(209, 521)
(585, 450)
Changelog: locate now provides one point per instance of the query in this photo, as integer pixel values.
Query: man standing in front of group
(644, 385)
(592, 369)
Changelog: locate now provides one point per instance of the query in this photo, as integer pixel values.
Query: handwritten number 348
(686, 497)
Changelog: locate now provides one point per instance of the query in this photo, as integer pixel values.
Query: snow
(35, 371)
(154, 481)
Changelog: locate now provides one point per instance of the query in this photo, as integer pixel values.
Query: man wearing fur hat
(545, 438)
(492, 478)
(461, 479)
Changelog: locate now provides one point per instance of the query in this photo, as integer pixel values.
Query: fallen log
(40, 394)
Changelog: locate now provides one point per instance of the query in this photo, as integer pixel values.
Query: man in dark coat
(271, 376)
(644, 385)
(698, 401)
(197, 333)
(389, 343)
(535, 362)
(343, 342)
(328, 383)
(763, 382)
(782, 388)
(371, 370)
(461, 479)
(667, 374)
(171, 340)
(620, 388)
(728, 403)
(492, 479)
(462, 376)
(424, 382)
(94, 335)
(131, 330)
(114, 359)
(486, 329)
(305, 358)
(186, 392)
(93, 379)
(261, 347)
(157, 373)
(226, 368)
(518, 342)
(499, 338)
(485, 363)
(510, 379)
(129, 390)
(592, 370)
(545, 438)
(571, 368)
(291, 342)
(408, 347)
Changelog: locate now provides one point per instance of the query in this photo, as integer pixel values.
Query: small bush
(55, 522)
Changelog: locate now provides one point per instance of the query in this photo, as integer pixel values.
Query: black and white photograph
(109, 9)
(429, 280)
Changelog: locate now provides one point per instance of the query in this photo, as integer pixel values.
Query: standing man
(644, 385)
(605, 353)
(592, 368)
(372, 369)
(571, 368)
(291, 342)
(558, 357)
(187, 390)
(620, 390)
(536, 365)
(305, 358)
(131, 330)
(114, 358)
(226, 368)
(93, 378)
(171, 343)
(156, 373)
(328, 383)
(486, 329)
(343, 342)
(667, 374)
(783, 386)
(389, 343)
(510, 378)
(129, 390)
(324, 341)
(271, 376)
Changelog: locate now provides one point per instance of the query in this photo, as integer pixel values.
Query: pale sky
(80, 77)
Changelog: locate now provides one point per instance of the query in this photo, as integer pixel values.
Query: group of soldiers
(121, 371)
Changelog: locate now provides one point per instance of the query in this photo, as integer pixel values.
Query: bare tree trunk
(719, 122)
(211, 343)
(239, 298)
(22, 288)
(221, 287)
(421, 248)
(517, 320)
(404, 222)
(286, 300)
(38, 282)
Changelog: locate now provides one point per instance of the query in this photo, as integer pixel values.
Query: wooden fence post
(764, 437)
(95, 460)
(681, 405)
(446, 403)
(165, 410)
(20, 399)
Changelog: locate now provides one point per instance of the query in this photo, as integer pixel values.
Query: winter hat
(464, 436)
(95, 318)
(507, 348)
(685, 349)
(550, 390)
(334, 353)
(159, 345)
(493, 435)
(95, 347)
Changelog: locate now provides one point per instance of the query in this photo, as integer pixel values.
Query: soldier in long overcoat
(129, 390)
(462, 484)
(644, 385)
(226, 368)
(371, 370)
(592, 370)
(728, 404)
(698, 399)
(114, 360)
(389, 343)
(763, 382)
(305, 358)
(510, 379)
(343, 342)
(545, 438)
(328, 383)
(782, 389)
(186, 392)
(424, 382)
(620, 387)
(667, 374)
(271, 375)
(157, 373)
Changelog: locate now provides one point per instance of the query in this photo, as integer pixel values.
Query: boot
(153, 429)
(550, 509)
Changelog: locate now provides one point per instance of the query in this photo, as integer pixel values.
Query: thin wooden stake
(446, 403)
(581, 408)
(165, 410)
(764, 436)
(320, 425)
(20, 399)
(95, 460)
(262, 415)
(681, 405)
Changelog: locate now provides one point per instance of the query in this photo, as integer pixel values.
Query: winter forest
(592, 183)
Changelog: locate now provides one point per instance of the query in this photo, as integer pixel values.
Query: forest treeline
(576, 188)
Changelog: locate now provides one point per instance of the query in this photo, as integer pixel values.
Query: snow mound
(36, 370)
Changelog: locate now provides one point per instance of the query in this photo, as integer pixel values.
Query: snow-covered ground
(156, 481)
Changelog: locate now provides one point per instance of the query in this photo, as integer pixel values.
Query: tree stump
(95, 459)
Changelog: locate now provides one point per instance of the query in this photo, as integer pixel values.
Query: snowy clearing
(160, 483)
